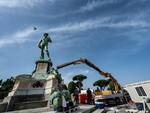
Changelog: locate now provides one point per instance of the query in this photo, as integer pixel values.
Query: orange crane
(117, 86)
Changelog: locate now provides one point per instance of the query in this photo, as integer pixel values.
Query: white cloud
(80, 26)
(139, 41)
(94, 4)
(88, 7)
(98, 23)
(98, 3)
(17, 37)
(20, 3)
(126, 23)
(66, 30)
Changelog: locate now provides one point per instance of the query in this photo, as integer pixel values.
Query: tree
(71, 87)
(79, 79)
(79, 85)
(101, 83)
(1, 82)
(6, 87)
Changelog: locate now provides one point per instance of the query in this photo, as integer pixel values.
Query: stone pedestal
(32, 91)
(42, 70)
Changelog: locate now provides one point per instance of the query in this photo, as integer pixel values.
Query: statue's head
(45, 34)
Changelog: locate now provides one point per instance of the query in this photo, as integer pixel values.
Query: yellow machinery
(117, 86)
(104, 93)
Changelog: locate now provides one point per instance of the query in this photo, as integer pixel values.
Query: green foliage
(1, 81)
(6, 87)
(101, 83)
(79, 77)
(71, 87)
(79, 85)
(64, 87)
(76, 83)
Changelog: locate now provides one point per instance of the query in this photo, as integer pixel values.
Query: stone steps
(29, 105)
(37, 110)
(27, 98)
(27, 102)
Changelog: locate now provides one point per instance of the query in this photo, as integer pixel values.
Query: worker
(76, 97)
(89, 96)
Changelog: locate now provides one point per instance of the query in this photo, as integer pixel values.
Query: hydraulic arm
(90, 64)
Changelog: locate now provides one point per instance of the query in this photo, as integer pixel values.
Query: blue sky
(113, 34)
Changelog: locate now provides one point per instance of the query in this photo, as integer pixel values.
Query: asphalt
(98, 111)
(85, 109)
(80, 109)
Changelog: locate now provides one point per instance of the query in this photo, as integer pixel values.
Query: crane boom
(90, 64)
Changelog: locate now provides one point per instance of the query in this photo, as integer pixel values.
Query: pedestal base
(32, 91)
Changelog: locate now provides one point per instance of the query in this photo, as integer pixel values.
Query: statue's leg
(42, 53)
(47, 52)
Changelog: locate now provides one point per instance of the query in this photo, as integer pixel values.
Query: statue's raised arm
(43, 45)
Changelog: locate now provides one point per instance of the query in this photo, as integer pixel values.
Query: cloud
(67, 30)
(91, 5)
(17, 37)
(114, 22)
(80, 26)
(99, 23)
(21, 3)
(94, 4)
(133, 2)
(136, 40)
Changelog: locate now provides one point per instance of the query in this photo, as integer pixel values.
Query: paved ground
(122, 110)
(81, 109)
(98, 111)
(37, 110)
(85, 108)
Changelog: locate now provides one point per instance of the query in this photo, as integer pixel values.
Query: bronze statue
(43, 45)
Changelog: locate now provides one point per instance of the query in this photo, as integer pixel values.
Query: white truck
(140, 95)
